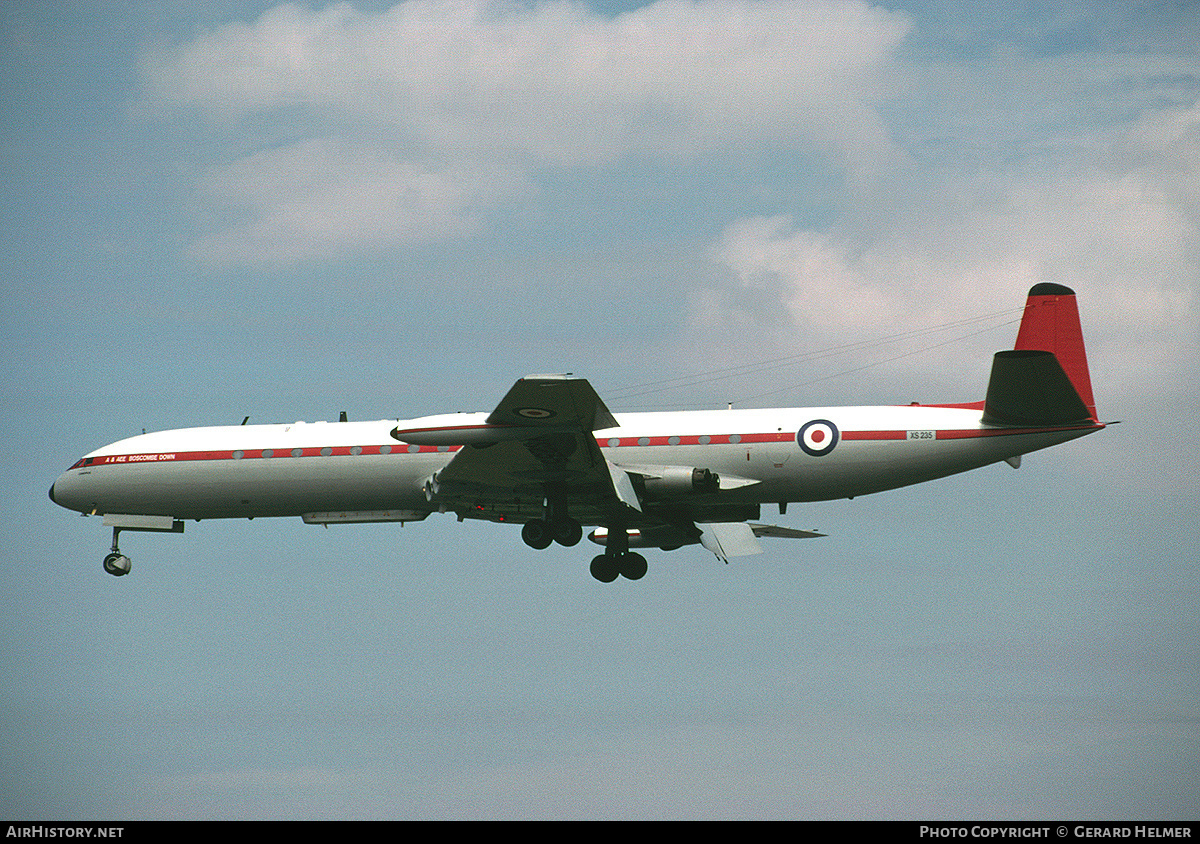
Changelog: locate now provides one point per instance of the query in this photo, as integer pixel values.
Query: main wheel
(117, 564)
(537, 534)
(567, 532)
(604, 568)
(633, 566)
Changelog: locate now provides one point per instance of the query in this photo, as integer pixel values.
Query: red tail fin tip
(1051, 324)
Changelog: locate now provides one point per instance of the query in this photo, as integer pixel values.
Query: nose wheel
(117, 564)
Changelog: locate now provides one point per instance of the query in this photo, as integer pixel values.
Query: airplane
(552, 458)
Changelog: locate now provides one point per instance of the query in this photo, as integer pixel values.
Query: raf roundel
(818, 437)
(534, 412)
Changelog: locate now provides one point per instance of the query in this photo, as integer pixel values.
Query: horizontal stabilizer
(1029, 387)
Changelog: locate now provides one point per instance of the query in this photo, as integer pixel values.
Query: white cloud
(555, 81)
(1164, 146)
(470, 87)
(319, 198)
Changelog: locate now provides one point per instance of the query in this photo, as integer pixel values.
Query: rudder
(1051, 324)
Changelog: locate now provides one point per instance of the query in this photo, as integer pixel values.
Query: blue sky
(215, 210)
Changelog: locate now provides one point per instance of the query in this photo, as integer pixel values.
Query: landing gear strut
(116, 563)
(557, 526)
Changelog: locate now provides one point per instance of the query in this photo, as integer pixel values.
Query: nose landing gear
(116, 563)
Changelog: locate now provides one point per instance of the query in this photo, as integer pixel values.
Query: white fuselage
(358, 467)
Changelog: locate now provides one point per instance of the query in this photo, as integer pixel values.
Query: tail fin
(1051, 324)
(1030, 386)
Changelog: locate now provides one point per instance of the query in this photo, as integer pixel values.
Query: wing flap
(777, 532)
(622, 486)
(729, 539)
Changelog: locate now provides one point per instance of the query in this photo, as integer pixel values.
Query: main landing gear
(539, 533)
(617, 559)
(631, 565)
(554, 526)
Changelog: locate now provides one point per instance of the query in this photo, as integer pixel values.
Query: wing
(553, 402)
(537, 445)
(536, 453)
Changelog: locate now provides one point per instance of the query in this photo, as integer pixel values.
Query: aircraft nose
(61, 493)
(72, 492)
